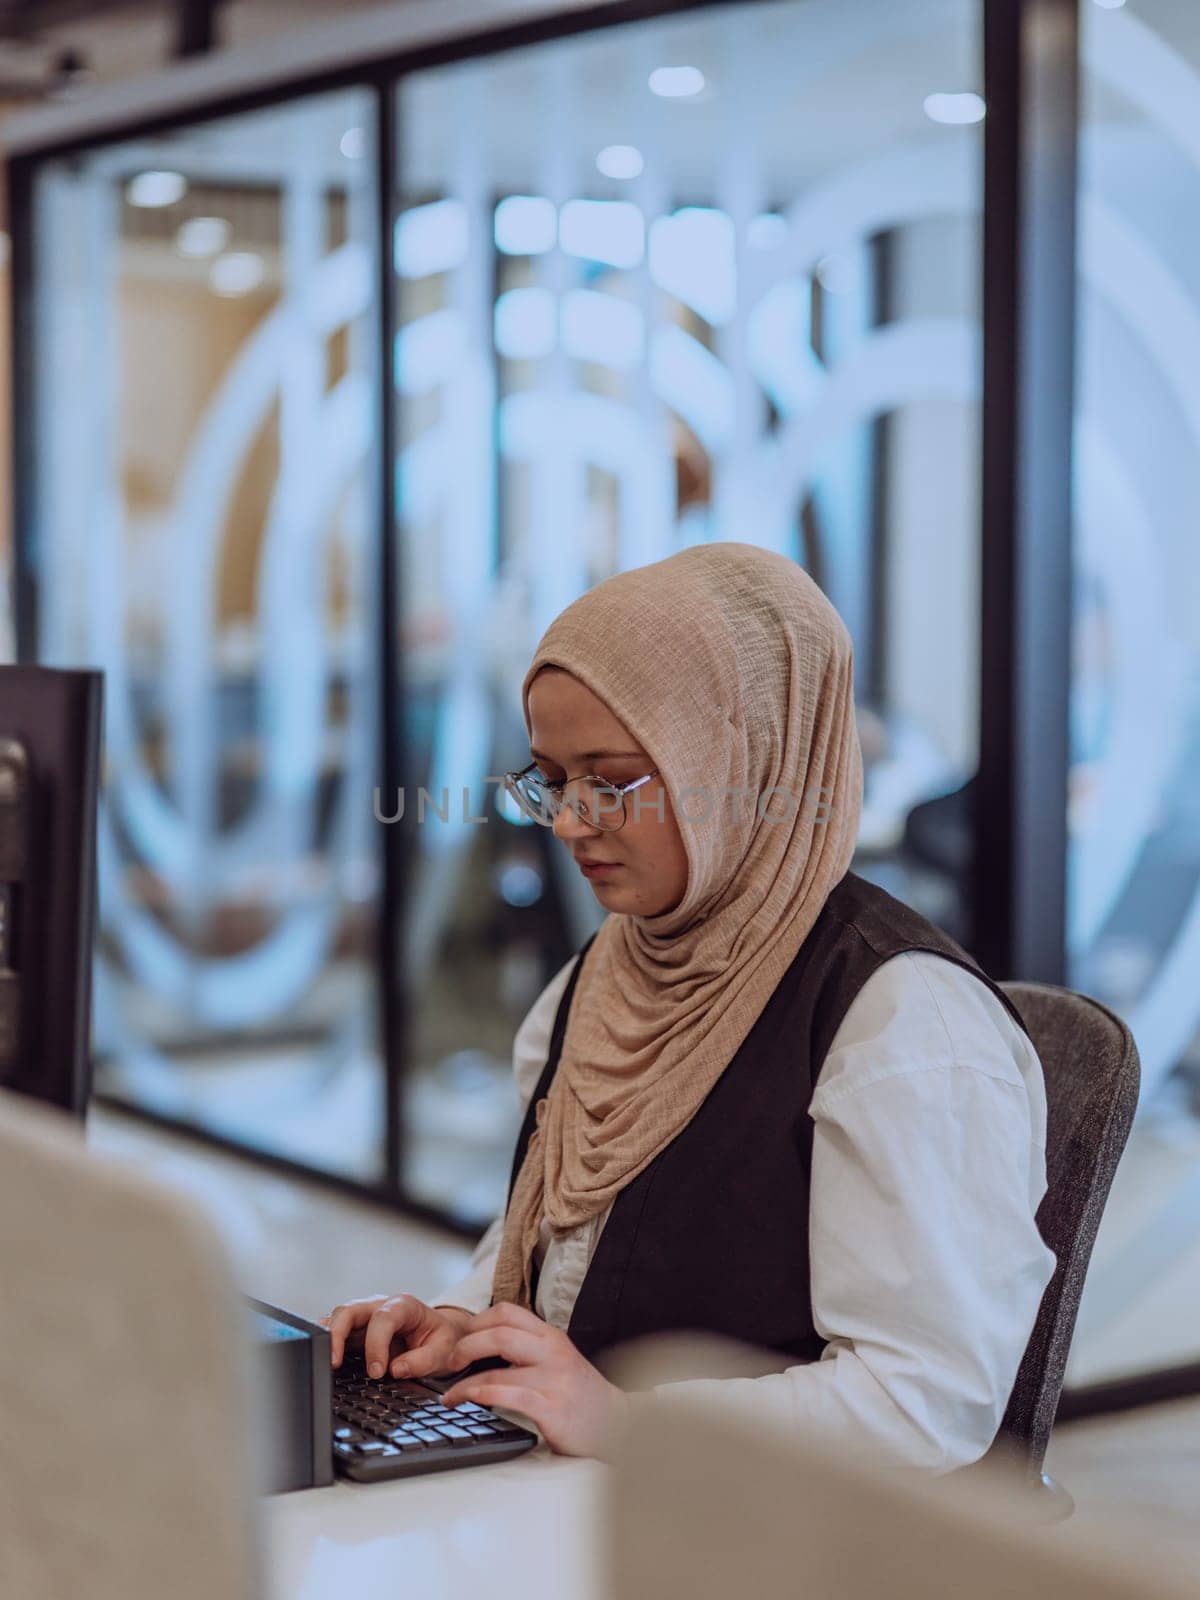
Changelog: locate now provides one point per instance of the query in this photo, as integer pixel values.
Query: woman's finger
(519, 1345)
(340, 1321)
(431, 1355)
(488, 1390)
(401, 1314)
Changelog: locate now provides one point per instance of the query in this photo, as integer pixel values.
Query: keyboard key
(428, 1435)
(346, 1433)
(456, 1434)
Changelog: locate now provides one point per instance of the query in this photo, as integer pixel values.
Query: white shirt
(927, 1268)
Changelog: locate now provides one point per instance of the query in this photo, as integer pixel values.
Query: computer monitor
(49, 776)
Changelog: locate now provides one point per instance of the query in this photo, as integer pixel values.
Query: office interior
(347, 352)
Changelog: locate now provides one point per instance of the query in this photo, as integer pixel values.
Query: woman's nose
(568, 824)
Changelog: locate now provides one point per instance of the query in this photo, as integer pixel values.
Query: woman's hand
(578, 1411)
(427, 1334)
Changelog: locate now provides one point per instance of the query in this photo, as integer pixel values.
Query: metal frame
(1031, 72)
(393, 1019)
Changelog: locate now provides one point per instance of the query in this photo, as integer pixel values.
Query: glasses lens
(597, 803)
(532, 797)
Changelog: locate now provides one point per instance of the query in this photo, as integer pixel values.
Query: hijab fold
(735, 674)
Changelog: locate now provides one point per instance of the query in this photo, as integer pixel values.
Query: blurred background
(334, 384)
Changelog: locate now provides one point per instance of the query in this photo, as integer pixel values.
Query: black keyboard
(394, 1427)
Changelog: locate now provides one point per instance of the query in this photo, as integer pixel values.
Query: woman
(767, 1100)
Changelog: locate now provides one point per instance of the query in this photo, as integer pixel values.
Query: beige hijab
(733, 671)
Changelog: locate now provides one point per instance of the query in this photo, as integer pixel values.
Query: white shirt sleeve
(927, 1266)
(531, 1044)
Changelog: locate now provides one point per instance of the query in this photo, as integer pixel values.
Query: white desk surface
(529, 1527)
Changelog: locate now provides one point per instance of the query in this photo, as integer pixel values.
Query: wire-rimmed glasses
(596, 801)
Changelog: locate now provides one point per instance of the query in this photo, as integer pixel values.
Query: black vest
(713, 1234)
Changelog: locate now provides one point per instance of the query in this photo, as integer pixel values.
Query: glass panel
(205, 535)
(1134, 818)
(638, 310)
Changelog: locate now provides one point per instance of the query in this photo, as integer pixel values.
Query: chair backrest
(700, 1506)
(1090, 1064)
(126, 1464)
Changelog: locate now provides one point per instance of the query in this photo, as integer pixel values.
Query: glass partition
(1134, 880)
(711, 277)
(704, 276)
(205, 533)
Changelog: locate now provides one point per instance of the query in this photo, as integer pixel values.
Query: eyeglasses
(599, 803)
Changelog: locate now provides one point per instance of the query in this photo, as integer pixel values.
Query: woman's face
(573, 733)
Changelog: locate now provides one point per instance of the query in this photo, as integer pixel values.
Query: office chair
(1090, 1064)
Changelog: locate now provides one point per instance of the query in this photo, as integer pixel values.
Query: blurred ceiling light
(526, 324)
(693, 257)
(766, 231)
(430, 238)
(156, 189)
(353, 144)
(1111, 5)
(620, 161)
(236, 272)
(612, 231)
(676, 83)
(519, 883)
(431, 350)
(835, 273)
(202, 236)
(525, 225)
(954, 108)
(602, 329)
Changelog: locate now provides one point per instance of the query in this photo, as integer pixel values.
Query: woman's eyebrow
(592, 755)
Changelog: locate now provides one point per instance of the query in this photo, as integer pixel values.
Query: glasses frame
(510, 784)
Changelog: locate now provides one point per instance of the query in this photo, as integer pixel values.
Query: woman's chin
(614, 896)
(605, 891)
(622, 898)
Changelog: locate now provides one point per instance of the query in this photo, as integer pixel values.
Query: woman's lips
(598, 869)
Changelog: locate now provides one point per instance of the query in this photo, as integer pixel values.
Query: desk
(529, 1527)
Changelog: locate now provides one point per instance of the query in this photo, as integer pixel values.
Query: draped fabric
(735, 674)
